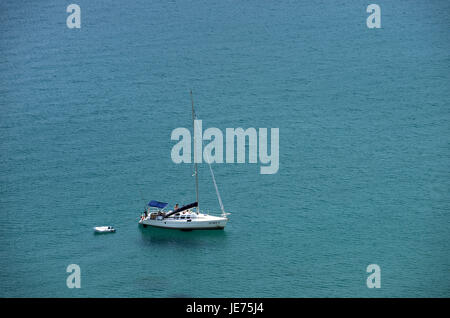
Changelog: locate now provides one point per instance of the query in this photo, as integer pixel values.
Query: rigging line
(219, 198)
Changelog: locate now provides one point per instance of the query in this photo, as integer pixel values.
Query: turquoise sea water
(85, 123)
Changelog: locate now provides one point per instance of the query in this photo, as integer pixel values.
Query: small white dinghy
(104, 229)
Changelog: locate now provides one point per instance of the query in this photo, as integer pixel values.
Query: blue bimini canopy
(157, 204)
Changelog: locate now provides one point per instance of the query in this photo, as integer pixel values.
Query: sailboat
(187, 217)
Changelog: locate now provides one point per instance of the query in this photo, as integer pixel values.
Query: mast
(195, 161)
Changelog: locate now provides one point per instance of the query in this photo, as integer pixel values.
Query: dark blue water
(85, 123)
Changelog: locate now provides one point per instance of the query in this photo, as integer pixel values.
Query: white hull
(201, 222)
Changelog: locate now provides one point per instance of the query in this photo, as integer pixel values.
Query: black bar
(221, 307)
